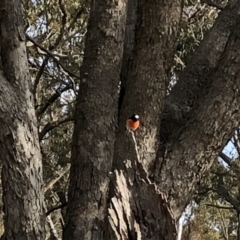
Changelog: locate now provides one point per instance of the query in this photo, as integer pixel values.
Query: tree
(129, 58)
(154, 179)
(55, 34)
(20, 152)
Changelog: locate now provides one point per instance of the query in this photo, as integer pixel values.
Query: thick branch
(196, 144)
(95, 122)
(197, 74)
(146, 84)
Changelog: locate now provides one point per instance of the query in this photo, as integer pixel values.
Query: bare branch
(54, 208)
(39, 74)
(52, 99)
(225, 158)
(51, 125)
(57, 176)
(219, 206)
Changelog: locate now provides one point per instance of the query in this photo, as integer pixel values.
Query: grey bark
(196, 144)
(197, 74)
(19, 145)
(95, 122)
(137, 207)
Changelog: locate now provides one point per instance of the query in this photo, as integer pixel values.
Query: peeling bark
(151, 218)
(95, 121)
(19, 145)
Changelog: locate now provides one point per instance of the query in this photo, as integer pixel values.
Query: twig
(219, 206)
(77, 15)
(64, 21)
(52, 227)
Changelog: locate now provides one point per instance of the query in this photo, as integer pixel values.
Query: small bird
(133, 122)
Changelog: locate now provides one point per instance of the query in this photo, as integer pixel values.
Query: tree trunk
(19, 146)
(212, 121)
(136, 205)
(95, 121)
(198, 72)
(139, 207)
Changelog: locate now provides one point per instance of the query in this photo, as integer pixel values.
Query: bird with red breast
(133, 123)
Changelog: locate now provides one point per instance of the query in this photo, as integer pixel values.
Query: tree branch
(54, 208)
(222, 191)
(57, 175)
(64, 21)
(39, 74)
(52, 99)
(196, 77)
(76, 16)
(196, 143)
(225, 158)
(218, 206)
(51, 125)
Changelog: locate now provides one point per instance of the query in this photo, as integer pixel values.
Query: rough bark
(145, 91)
(19, 145)
(198, 71)
(95, 121)
(145, 220)
(195, 145)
